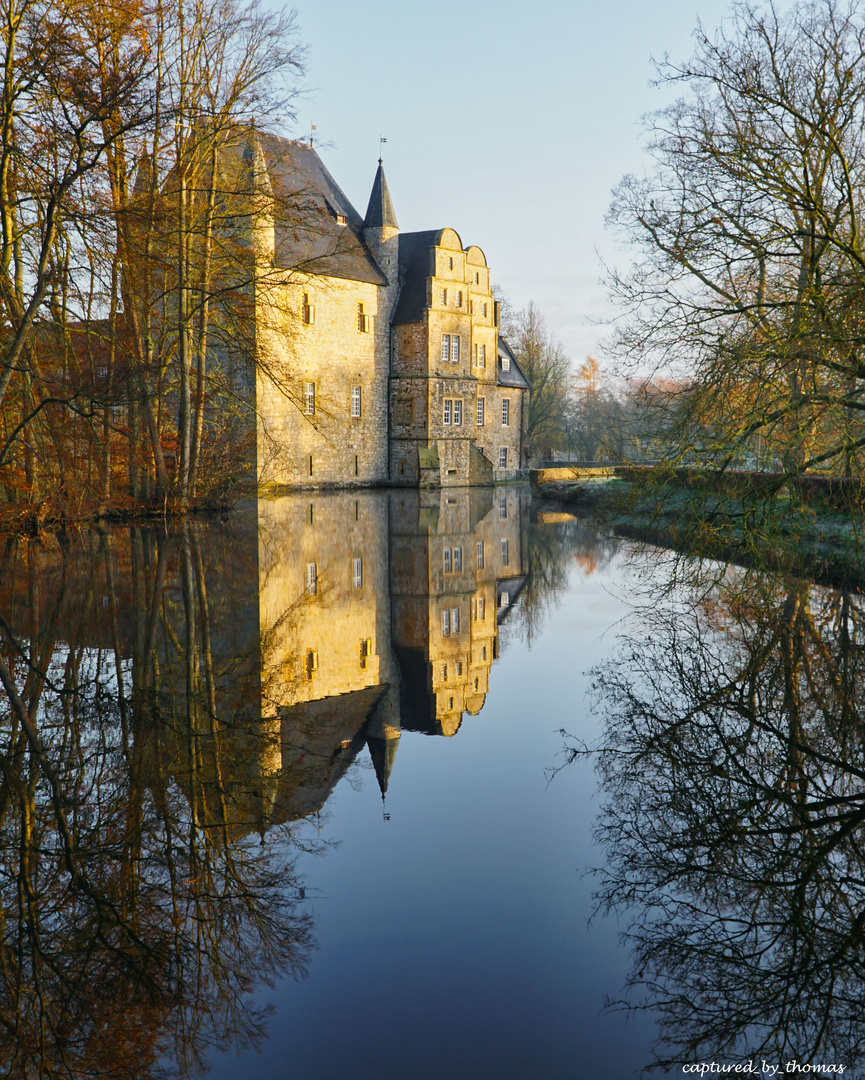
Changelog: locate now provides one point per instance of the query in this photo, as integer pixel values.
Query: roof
(514, 376)
(414, 269)
(309, 236)
(380, 212)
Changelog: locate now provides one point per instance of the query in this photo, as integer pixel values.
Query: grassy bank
(817, 540)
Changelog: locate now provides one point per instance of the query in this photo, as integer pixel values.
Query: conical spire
(380, 213)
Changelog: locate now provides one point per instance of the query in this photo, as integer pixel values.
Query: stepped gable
(309, 235)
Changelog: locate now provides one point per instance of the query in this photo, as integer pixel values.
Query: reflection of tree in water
(734, 775)
(553, 546)
(140, 907)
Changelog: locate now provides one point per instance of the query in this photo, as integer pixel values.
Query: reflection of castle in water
(379, 614)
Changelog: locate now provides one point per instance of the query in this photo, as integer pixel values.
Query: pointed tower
(380, 230)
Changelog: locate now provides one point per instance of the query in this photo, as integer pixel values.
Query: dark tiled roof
(380, 212)
(414, 269)
(309, 238)
(514, 377)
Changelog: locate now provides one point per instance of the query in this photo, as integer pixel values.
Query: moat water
(395, 785)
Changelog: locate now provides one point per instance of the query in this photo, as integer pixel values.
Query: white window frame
(455, 348)
(506, 362)
(447, 560)
(444, 297)
(505, 553)
(455, 620)
(458, 412)
(356, 401)
(458, 560)
(357, 573)
(480, 411)
(309, 398)
(446, 347)
(503, 457)
(311, 579)
(479, 554)
(447, 412)
(446, 622)
(506, 412)
(503, 507)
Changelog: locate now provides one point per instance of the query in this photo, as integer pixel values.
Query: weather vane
(312, 128)
(381, 141)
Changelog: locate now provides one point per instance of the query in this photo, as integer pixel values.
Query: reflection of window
(357, 573)
(311, 662)
(482, 607)
(365, 651)
(458, 559)
(480, 554)
(444, 672)
(504, 553)
(446, 622)
(311, 578)
(355, 401)
(483, 652)
(455, 619)
(309, 398)
(447, 556)
(503, 507)
(459, 670)
(503, 457)
(505, 599)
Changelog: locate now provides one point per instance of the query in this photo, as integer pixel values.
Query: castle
(395, 371)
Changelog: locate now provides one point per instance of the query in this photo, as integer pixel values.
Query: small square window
(340, 219)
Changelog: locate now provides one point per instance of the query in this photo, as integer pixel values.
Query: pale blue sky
(509, 122)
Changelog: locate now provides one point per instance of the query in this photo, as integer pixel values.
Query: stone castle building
(380, 359)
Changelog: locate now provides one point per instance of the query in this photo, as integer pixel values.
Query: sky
(509, 122)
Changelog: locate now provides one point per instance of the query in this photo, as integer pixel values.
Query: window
(340, 219)
(311, 662)
(477, 278)
(455, 620)
(446, 347)
(307, 312)
(506, 412)
(450, 264)
(458, 559)
(484, 310)
(503, 507)
(455, 348)
(458, 413)
(448, 410)
(444, 296)
(479, 556)
(355, 401)
(482, 356)
(309, 398)
(503, 457)
(506, 362)
(504, 553)
(483, 652)
(311, 579)
(447, 560)
(362, 320)
(459, 670)
(458, 300)
(446, 622)
(444, 673)
(357, 573)
(365, 651)
(481, 403)
(504, 599)
(475, 354)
